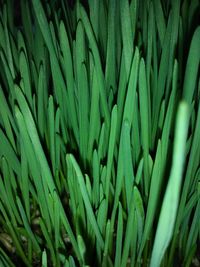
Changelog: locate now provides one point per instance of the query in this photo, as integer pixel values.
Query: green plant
(99, 133)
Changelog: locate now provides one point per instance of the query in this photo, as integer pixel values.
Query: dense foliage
(99, 133)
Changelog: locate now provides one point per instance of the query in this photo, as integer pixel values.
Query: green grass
(99, 133)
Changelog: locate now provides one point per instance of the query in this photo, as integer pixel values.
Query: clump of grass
(99, 133)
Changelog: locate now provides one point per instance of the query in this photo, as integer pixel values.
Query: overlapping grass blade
(94, 120)
(160, 20)
(112, 140)
(8, 51)
(25, 74)
(94, 17)
(5, 260)
(8, 152)
(27, 226)
(85, 197)
(194, 231)
(48, 241)
(110, 72)
(96, 179)
(127, 166)
(192, 68)
(34, 166)
(99, 81)
(153, 196)
(106, 246)
(15, 237)
(143, 99)
(83, 90)
(129, 231)
(162, 79)
(27, 22)
(68, 71)
(119, 238)
(191, 169)
(7, 119)
(98, 65)
(30, 125)
(130, 97)
(127, 35)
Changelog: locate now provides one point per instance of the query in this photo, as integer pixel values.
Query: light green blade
(170, 202)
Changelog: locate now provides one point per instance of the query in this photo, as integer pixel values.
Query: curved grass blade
(169, 207)
(192, 166)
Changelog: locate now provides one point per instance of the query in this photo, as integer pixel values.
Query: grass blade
(169, 208)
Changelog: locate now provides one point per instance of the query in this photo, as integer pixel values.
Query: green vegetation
(99, 133)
